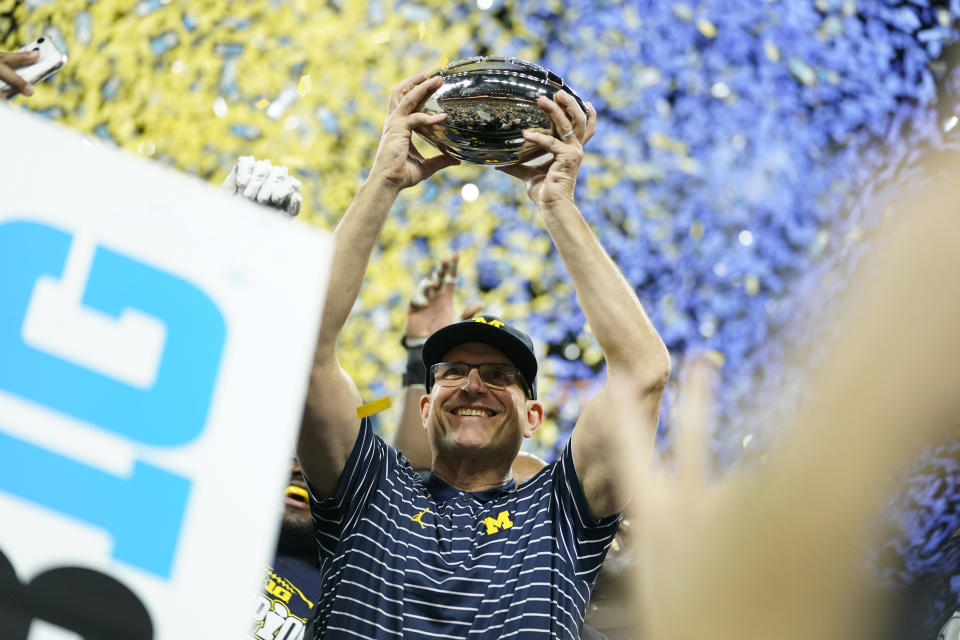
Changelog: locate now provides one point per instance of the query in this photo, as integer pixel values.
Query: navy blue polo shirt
(405, 558)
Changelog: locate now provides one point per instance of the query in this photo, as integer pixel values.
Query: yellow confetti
(305, 86)
(547, 434)
(663, 141)
(688, 165)
(592, 355)
(715, 357)
(696, 230)
(707, 28)
(124, 91)
(773, 53)
(262, 104)
(371, 408)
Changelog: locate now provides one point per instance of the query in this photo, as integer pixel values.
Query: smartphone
(50, 61)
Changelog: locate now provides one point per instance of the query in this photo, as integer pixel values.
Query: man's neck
(471, 475)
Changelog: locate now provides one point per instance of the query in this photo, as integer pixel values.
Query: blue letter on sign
(175, 410)
(143, 512)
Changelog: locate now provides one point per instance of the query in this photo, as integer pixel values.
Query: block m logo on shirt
(502, 521)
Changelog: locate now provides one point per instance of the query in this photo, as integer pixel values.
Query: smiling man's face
(475, 420)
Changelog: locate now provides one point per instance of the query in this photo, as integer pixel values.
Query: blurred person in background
(10, 61)
(284, 609)
(467, 550)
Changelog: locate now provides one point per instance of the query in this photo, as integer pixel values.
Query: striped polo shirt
(405, 558)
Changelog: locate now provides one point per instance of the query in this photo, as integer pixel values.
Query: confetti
(371, 408)
(305, 86)
(715, 117)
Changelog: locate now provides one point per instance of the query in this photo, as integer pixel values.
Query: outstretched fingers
(398, 160)
(574, 114)
(19, 58)
(412, 98)
(399, 91)
(11, 61)
(448, 272)
(438, 162)
(419, 119)
(259, 173)
(408, 97)
(548, 142)
(693, 419)
(591, 124)
(571, 134)
(244, 171)
(471, 310)
(442, 279)
(561, 123)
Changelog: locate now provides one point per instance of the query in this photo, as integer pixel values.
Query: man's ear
(424, 409)
(534, 418)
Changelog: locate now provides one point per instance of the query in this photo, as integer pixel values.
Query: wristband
(412, 343)
(416, 373)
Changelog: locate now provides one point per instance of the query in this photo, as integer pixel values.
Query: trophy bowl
(489, 101)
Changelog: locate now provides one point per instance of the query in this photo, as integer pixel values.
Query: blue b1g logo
(144, 512)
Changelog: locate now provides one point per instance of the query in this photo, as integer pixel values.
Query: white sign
(155, 346)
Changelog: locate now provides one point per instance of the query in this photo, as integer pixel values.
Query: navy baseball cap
(491, 330)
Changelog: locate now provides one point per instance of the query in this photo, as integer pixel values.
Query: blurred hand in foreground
(778, 552)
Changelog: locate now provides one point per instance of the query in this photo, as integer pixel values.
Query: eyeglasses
(494, 374)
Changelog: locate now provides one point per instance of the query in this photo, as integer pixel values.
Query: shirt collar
(441, 491)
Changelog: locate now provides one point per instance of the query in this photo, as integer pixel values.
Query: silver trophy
(489, 102)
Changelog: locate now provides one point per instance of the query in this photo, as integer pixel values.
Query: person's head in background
(296, 529)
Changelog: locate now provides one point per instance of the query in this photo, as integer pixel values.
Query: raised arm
(330, 423)
(635, 355)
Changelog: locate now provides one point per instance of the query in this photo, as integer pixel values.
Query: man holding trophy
(467, 552)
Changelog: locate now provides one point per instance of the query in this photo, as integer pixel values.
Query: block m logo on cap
(492, 321)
